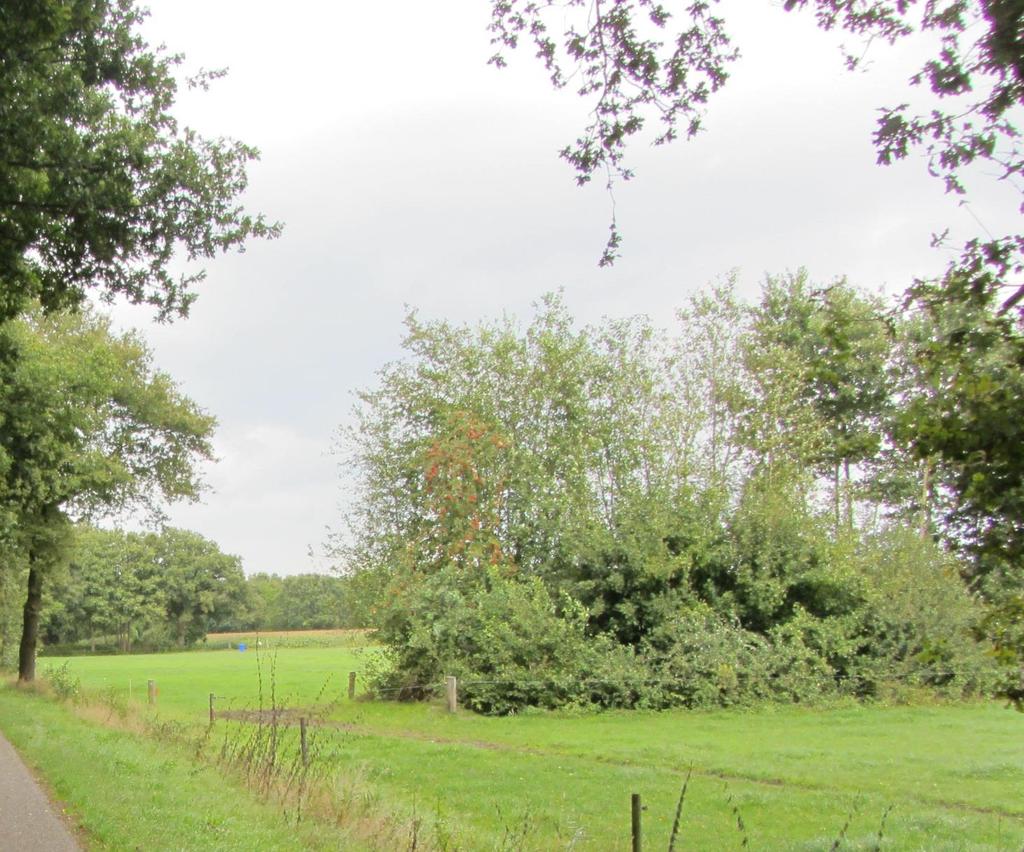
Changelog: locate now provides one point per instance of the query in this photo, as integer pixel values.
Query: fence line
(439, 686)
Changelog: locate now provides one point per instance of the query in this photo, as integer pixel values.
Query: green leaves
(167, 589)
(969, 414)
(89, 424)
(628, 68)
(99, 186)
(639, 64)
(199, 584)
(659, 503)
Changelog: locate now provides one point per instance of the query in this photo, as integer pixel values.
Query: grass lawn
(332, 636)
(295, 676)
(948, 777)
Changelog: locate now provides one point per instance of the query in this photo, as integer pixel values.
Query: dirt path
(28, 822)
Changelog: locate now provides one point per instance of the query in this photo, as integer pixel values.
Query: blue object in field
(241, 646)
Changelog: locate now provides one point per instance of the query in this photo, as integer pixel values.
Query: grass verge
(127, 792)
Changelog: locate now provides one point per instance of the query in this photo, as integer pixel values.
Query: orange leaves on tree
(463, 490)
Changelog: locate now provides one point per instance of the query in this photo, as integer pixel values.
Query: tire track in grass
(291, 716)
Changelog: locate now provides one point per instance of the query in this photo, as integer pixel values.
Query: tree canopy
(658, 63)
(167, 588)
(89, 424)
(624, 515)
(99, 184)
(88, 427)
(151, 591)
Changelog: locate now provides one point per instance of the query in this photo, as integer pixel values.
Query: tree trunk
(835, 489)
(926, 500)
(849, 495)
(30, 621)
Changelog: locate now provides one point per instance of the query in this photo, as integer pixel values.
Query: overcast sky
(409, 172)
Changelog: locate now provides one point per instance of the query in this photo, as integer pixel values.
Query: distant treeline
(295, 602)
(131, 591)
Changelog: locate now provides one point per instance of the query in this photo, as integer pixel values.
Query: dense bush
(920, 625)
(703, 661)
(1004, 625)
(617, 517)
(512, 645)
(503, 637)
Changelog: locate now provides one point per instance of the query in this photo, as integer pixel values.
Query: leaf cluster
(87, 423)
(641, 60)
(99, 184)
(628, 63)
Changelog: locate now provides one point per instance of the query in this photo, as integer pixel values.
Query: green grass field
(300, 676)
(948, 777)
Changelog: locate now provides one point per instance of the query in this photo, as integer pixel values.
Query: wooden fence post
(152, 692)
(451, 692)
(637, 810)
(351, 685)
(212, 696)
(302, 741)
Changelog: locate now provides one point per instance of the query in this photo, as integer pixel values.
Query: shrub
(701, 660)
(1004, 625)
(512, 645)
(920, 624)
(67, 686)
(506, 640)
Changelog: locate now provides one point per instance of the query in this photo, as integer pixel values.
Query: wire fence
(848, 684)
(547, 691)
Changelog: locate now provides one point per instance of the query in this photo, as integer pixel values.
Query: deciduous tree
(89, 426)
(200, 584)
(99, 183)
(654, 62)
(556, 475)
(838, 344)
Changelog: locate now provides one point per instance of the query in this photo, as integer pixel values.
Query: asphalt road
(28, 822)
